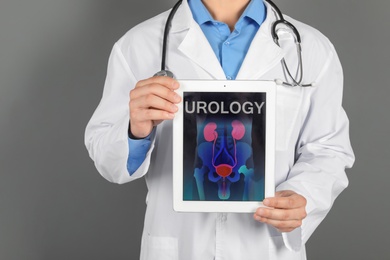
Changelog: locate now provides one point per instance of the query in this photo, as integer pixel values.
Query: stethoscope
(294, 81)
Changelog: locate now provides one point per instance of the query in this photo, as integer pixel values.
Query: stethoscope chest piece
(165, 73)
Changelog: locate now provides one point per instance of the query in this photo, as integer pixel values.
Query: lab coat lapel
(263, 53)
(195, 45)
(262, 56)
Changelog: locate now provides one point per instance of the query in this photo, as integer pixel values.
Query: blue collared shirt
(229, 47)
(137, 155)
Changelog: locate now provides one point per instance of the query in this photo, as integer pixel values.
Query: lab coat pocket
(288, 105)
(162, 248)
(277, 250)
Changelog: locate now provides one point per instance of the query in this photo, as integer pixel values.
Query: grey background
(53, 58)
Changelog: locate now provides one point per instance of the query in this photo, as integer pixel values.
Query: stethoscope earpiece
(279, 82)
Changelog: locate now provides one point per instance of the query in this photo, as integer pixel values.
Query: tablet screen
(224, 146)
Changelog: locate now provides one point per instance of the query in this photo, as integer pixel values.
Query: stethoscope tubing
(296, 81)
(166, 32)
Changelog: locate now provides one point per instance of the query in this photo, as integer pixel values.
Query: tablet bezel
(268, 87)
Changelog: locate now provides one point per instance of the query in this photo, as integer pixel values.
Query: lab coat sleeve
(106, 135)
(323, 152)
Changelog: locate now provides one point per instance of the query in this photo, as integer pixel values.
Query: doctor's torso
(191, 57)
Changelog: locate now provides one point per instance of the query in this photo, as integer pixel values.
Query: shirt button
(229, 77)
(227, 43)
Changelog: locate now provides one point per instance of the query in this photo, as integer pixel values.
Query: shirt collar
(255, 10)
(199, 12)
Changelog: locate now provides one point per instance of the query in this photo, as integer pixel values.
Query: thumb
(284, 193)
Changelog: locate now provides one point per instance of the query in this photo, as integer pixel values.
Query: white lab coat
(312, 147)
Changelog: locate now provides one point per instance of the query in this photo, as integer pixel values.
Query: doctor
(216, 39)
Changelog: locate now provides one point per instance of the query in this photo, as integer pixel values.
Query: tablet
(224, 145)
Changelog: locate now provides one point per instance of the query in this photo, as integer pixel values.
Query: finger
(161, 80)
(290, 202)
(284, 193)
(153, 101)
(155, 89)
(281, 214)
(282, 226)
(143, 115)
